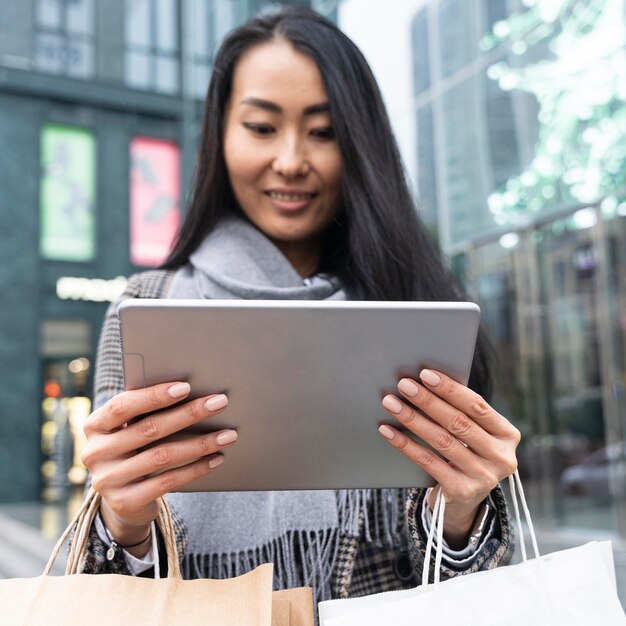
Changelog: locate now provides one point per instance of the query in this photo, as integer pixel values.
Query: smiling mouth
(290, 197)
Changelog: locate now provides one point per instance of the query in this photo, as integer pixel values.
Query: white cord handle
(437, 526)
(515, 494)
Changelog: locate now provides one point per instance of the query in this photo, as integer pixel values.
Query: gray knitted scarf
(231, 533)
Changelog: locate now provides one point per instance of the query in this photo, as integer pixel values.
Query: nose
(290, 160)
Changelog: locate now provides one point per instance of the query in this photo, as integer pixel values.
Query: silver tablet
(304, 380)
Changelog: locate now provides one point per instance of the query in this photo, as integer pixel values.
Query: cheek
(333, 175)
(240, 162)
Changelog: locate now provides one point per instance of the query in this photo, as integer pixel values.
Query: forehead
(277, 71)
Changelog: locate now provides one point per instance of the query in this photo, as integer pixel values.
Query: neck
(304, 256)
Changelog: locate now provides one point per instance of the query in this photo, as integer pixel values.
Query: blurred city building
(100, 105)
(520, 111)
(520, 137)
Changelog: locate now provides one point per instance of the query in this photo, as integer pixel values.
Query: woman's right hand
(121, 465)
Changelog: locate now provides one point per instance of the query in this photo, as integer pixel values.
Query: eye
(323, 133)
(259, 129)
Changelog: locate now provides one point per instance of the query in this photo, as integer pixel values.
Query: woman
(299, 193)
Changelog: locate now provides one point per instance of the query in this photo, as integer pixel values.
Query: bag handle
(515, 493)
(437, 527)
(82, 522)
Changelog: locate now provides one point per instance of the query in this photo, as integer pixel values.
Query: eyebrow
(321, 107)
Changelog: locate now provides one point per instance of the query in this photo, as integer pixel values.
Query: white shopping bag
(566, 588)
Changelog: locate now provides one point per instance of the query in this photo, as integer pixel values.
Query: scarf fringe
(353, 506)
(301, 559)
(304, 558)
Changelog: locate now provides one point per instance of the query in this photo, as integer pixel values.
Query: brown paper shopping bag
(293, 607)
(107, 599)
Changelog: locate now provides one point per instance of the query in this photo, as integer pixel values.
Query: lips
(290, 201)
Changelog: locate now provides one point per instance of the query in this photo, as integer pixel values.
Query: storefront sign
(67, 196)
(90, 289)
(154, 199)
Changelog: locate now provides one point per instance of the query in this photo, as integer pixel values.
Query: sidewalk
(28, 533)
(24, 551)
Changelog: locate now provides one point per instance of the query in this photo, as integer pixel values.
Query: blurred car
(590, 477)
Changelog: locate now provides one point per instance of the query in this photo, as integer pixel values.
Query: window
(65, 37)
(206, 23)
(151, 45)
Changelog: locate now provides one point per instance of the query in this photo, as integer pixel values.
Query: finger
(164, 456)
(457, 486)
(469, 402)
(159, 425)
(441, 471)
(127, 405)
(449, 417)
(434, 435)
(146, 491)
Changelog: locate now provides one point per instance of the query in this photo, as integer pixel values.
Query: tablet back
(304, 380)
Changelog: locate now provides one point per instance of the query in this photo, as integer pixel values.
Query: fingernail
(430, 378)
(386, 432)
(408, 387)
(391, 403)
(179, 390)
(227, 436)
(216, 461)
(217, 402)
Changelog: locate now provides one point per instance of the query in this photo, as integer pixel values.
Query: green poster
(67, 194)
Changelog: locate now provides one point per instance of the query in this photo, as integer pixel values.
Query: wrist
(127, 536)
(460, 520)
(141, 549)
(457, 528)
(478, 527)
(114, 547)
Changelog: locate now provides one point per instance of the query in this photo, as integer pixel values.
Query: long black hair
(378, 246)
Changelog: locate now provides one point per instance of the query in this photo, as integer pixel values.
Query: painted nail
(215, 403)
(179, 390)
(391, 403)
(386, 432)
(216, 461)
(225, 437)
(430, 378)
(408, 387)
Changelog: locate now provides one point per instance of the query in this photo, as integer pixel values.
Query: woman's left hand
(476, 442)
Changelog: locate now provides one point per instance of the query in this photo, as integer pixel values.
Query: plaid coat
(362, 567)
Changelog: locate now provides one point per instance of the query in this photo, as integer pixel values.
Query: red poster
(154, 199)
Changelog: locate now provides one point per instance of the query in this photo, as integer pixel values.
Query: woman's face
(281, 154)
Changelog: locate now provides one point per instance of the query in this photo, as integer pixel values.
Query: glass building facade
(520, 112)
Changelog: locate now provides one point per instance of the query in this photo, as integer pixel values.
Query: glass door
(65, 407)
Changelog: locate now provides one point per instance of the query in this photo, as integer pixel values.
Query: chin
(292, 232)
